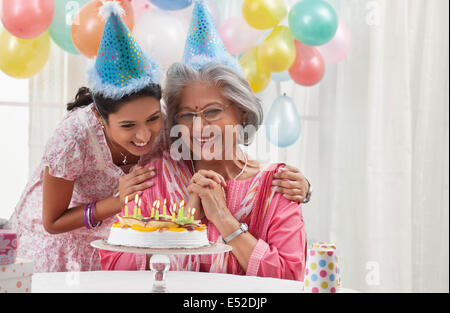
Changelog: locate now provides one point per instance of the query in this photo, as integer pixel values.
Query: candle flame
(158, 204)
(139, 203)
(193, 212)
(126, 200)
(136, 198)
(165, 200)
(154, 202)
(182, 203)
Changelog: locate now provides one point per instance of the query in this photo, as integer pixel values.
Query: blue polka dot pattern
(119, 58)
(121, 67)
(322, 263)
(203, 43)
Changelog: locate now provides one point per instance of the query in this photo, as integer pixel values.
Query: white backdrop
(374, 141)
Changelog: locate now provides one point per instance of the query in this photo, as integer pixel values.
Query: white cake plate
(159, 261)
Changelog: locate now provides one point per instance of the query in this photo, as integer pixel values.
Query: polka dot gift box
(321, 274)
(16, 277)
(8, 246)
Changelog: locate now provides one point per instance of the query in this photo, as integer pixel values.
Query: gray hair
(234, 87)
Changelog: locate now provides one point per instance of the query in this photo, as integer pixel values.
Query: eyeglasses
(211, 113)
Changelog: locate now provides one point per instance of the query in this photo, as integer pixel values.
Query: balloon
(238, 36)
(65, 11)
(263, 14)
(257, 76)
(23, 58)
(313, 22)
(281, 77)
(185, 15)
(277, 52)
(171, 5)
(88, 29)
(283, 124)
(309, 67)
(162, 36)
(140, 7)
(337, 49)
(27, 18)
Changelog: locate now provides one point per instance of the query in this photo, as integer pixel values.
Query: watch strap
(242, 229)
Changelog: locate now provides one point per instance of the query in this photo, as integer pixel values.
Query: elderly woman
(265, 229)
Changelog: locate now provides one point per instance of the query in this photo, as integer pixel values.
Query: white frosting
(156, 239)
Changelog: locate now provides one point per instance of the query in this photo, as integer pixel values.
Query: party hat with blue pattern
(204, 44)
(121, 67)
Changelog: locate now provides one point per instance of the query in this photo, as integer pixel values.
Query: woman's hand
(292, 183)
(208, 186)
(135, 182)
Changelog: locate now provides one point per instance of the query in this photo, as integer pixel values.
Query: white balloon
(162, 36)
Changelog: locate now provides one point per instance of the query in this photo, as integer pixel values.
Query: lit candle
(181, 210)
(189, 214)
(173, 216)
(193, 213)
(164, 208)
(136, 200)
(126, 208)
(139, 207)
(153, 208)
(174, 209)
(157, 215)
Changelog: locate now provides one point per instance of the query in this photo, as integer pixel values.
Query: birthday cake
(157, 231)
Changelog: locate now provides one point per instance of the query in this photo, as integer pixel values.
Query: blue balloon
(281, 77)
(171, 5)
(283, 122)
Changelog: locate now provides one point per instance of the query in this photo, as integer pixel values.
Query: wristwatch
(308, 194)
(242, 229)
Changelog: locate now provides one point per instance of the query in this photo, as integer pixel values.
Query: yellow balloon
(23, 58)
(263, 14)
(277, 52)
(257, 75)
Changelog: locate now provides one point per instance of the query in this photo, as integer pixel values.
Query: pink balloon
(27, 18)
(308, 67)
(337, 48)
(238, 36)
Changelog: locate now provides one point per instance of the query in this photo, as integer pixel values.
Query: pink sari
(276, 222)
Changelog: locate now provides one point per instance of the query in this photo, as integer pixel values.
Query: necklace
(124, 161)
(238, 175)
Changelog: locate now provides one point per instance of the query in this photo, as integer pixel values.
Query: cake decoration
(159, 230)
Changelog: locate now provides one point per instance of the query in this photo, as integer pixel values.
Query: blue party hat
(121, 67)
(204, 44)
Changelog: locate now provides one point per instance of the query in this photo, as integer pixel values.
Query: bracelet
(308, 194)
(87, 223)
(91, 216)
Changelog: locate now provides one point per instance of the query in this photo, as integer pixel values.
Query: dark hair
(106, 106)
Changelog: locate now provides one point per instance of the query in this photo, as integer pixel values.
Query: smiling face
(209, 131)
(135, 126)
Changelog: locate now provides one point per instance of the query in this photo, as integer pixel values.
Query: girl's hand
(135, 182)
(211, 194)
(292, 183)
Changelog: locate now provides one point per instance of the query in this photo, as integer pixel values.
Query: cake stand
(159, 261)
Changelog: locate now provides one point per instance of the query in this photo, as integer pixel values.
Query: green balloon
(60, 29)
(313, 22)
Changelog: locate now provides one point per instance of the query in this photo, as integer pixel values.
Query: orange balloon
(87, 27)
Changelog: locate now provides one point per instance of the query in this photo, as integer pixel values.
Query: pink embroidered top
(76, 151)
(277, 224)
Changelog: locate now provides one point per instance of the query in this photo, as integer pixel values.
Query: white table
(177, 282)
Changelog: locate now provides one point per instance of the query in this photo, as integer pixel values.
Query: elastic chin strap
(96, 107)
